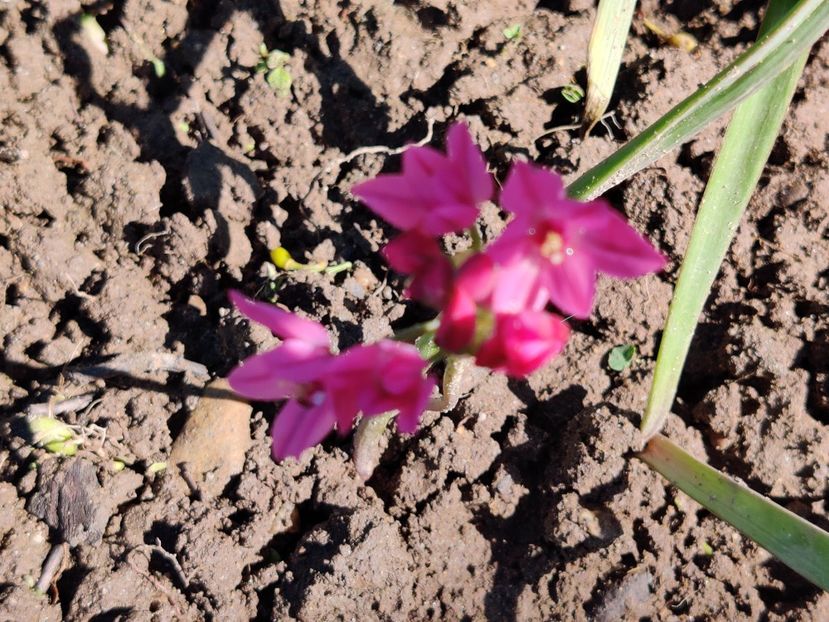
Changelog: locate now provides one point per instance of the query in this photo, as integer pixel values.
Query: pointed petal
(278, 373)
(392, 198)
(422, 162)
(615, 247)
(296, 428)
(531, 191)
(452, 215)
(409, 417)
(402, 366)
(572, 284)
(469, 161)
(282, 323)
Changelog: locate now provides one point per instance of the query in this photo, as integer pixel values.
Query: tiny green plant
(573, 93)
(273, 64)
(54, 436)
(621, 357)
(94, 33)
(512, 32)
(159, 68)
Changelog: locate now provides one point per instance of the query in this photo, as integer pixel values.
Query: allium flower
(496, 312)
(435, 193)
(523, 342)
(420, 256)
(323, 390)
(378, 378)
(568, 242)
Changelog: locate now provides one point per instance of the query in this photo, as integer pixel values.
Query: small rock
(214, 440)
(626, 600)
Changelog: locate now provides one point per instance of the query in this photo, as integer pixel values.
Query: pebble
(212, 444)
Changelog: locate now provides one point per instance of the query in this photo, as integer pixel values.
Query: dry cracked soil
(131, 201)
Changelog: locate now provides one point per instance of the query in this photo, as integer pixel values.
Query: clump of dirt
(131, 199)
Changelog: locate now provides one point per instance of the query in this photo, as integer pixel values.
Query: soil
(130, 202)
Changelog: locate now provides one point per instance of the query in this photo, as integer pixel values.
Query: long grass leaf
(796, 542)
(742, 156)
(776, 50)
(604, 55)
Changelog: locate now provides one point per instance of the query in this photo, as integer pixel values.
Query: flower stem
(477, 240)
(367, 446)
(338, 267)
(410, 333)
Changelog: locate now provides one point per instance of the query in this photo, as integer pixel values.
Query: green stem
(477, 240)
(410, 333)
(774, 51)
(338, 267)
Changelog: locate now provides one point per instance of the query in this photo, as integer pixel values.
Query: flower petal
(420, 256)
(518, 287)
(278, 373)
(572, 284)
(409, 416)
(469, 162)
(457, 324)
(391, 197)
(615, 247)
(282, 323)
(523, 342)
(531, 190)
(297, 427)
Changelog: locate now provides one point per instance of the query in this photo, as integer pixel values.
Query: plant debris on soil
(131, 199)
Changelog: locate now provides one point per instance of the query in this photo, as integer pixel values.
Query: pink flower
(435, 193)
(378, 378)
(421, 257)
(496, 313)
(323, 390)
(568, 242)
(523, 342)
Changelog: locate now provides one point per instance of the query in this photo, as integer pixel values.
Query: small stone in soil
(212, 445)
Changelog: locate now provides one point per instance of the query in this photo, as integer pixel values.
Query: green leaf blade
(793, 540)
(604, 55)
(745, 149)
(777, 49)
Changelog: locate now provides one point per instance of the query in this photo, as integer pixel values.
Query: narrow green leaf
(794, 541)
(745, 149)
(604, 55)
(774, 51)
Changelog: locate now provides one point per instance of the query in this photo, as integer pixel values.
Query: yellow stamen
(552, 247)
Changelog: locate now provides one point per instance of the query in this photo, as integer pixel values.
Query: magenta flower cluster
(492, 301)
